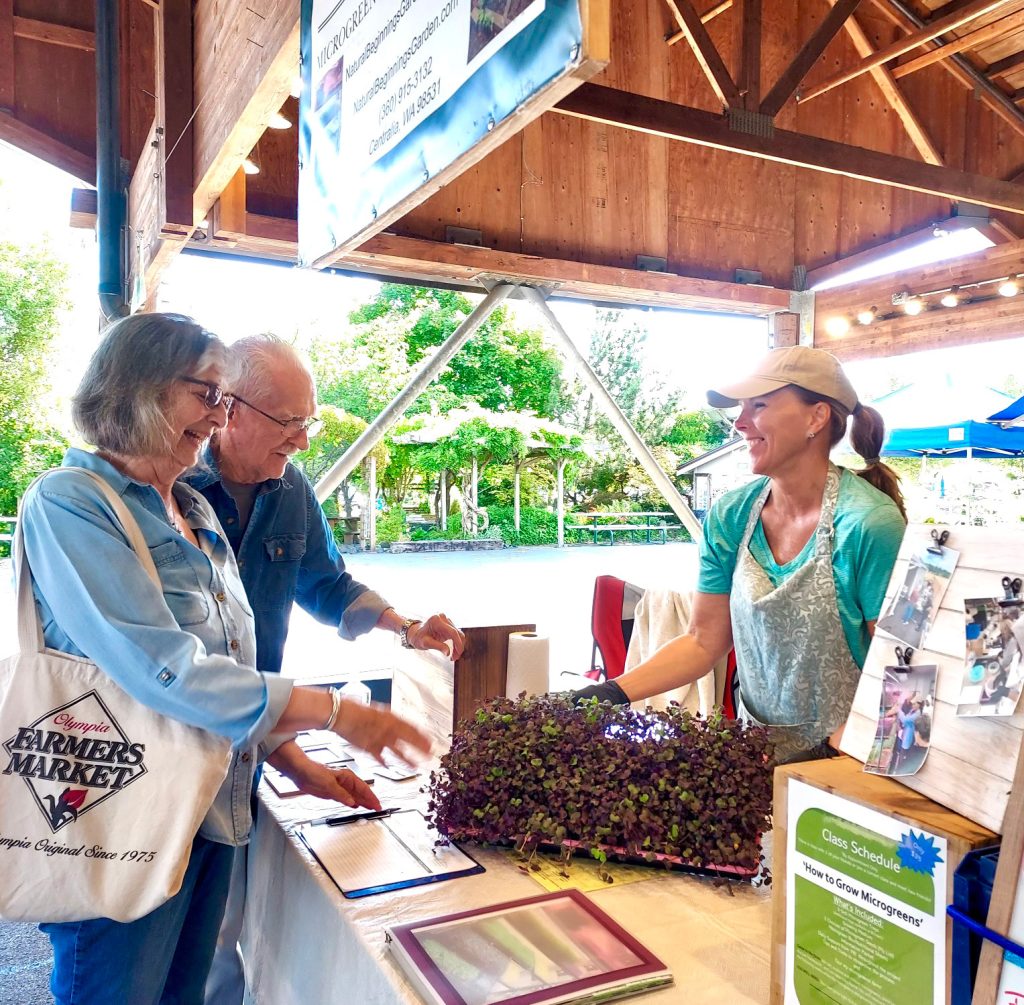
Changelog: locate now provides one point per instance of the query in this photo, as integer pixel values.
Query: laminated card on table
(554, 949)
(366, 855)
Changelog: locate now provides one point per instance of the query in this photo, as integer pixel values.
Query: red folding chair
(611, 623)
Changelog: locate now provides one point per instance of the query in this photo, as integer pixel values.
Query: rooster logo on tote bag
(73, 758)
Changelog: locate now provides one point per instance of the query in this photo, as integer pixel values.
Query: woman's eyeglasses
(292, 427)
(215, 394)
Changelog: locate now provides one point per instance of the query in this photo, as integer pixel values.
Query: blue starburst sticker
(918, 853)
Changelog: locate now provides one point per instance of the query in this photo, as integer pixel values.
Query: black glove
(608, 691)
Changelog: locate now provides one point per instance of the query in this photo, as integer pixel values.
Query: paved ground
(546, 586)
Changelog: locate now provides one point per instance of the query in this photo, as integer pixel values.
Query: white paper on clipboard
(363, 857)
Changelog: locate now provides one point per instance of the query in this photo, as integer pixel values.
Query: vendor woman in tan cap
(793, 566)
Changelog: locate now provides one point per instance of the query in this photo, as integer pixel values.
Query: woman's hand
(314, 779)
(375, 729)
(438, 633)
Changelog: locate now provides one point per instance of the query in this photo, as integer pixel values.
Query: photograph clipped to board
(553, 949)
(994, 668)
(905, 716)
(913, 607)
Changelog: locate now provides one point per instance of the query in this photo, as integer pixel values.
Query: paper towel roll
(527, 664)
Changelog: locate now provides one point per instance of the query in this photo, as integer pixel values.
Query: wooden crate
(971, 760)
(844, 777)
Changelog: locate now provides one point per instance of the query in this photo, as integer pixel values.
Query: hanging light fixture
(913, 306)
(249, 166)
(866, 317)
(951, 298)
(278, 121)
(837, 326)
(1009, 287)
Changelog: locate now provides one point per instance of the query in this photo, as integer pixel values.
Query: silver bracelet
(335, 708)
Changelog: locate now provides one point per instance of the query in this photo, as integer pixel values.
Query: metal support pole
(516, 516)
(371, 500)
(442, 508)
(560, 472)
(473, 520)
(377, 429)
(617, 417)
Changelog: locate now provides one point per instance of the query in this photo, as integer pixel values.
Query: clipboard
(363, 856)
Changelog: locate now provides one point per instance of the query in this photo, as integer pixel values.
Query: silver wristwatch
(403, 632)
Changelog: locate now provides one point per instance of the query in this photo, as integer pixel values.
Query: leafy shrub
(536, 526)
(607, 780)
(391, 525)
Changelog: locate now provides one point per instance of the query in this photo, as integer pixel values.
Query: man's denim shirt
(188, 652)
(287, 553)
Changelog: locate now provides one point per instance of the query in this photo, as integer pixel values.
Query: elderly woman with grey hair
(151, 396)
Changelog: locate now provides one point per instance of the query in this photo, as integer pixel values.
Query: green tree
(694, 433)
(33, 291)
(502, 367)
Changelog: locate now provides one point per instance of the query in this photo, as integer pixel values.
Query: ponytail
(867, 434)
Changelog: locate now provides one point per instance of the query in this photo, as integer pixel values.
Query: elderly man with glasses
(286, 553)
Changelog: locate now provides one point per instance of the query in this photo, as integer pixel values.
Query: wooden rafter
(662, 118)
(750, 55)
(930, 31)
(46, 148)
(54, 34)
(986, 33)
(707, 55)
(174, 109)
(807, 57)
(709, 15)
(897, 101)
(1003, 67)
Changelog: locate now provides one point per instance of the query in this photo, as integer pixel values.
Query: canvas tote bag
(100, 796)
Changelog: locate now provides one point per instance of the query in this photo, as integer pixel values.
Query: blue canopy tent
(959, 439)
(1012, 414)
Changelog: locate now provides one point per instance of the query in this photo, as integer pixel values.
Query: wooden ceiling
(772, 136)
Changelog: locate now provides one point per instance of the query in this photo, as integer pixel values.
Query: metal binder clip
(903, 656)
(940, 538)
(1011, 587)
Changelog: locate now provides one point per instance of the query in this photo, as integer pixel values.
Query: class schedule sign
(865, 906)
(398, 94)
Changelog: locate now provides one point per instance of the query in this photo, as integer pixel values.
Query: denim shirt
(188, 652)
(287, 553)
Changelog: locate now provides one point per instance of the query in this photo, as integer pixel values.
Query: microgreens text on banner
(395, 91)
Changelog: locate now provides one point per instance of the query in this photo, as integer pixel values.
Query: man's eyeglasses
(292, 427)
(215, 394)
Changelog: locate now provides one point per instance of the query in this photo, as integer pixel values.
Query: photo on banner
(905, 715)
(916, 602)
(994, 668)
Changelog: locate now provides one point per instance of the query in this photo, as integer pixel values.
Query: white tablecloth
(305, 944)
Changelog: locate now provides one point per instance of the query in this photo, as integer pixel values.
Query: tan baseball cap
(812, 369)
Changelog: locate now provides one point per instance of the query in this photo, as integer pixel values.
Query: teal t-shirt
(868, 529)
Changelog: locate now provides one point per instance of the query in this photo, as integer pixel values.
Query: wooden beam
(930, 31)
(707, 55)
(228, 213)
(807, 57)
(46, 148)
(719, 8)
(750, 55)
(7, 55)
(941, 328)
(962, 71)
(54, 34)
(918, 236)
(899, 104)
(661, 118)
(391, 256)
(1004, 67)
(988, 32)
(174, 110)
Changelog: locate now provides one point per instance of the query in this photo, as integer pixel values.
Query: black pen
(352, 817)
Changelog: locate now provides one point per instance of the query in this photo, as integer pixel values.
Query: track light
(837, 326)
(249, 166)
(278, 121)
(913, 305)
(951, 298)
(866, 317)
(1010, 287)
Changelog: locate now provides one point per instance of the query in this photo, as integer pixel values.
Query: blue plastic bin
(972, 891)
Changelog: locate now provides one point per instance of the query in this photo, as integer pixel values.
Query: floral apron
(796, 672)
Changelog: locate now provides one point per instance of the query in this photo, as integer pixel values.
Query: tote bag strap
(30, 631)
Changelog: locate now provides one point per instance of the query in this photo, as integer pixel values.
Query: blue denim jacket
(287, 553)
(188, 652)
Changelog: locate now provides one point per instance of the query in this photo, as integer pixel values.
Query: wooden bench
(648, 527)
